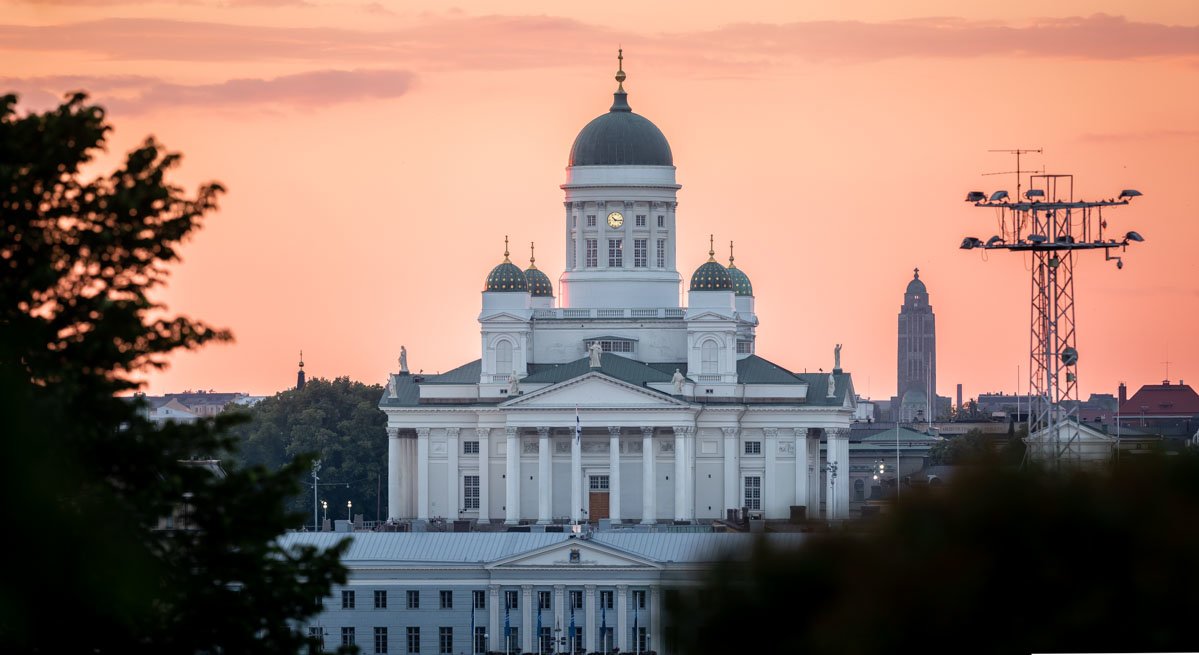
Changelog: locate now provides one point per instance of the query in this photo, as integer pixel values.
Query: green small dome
(741, 284)
(539, 283)
(711, 276)
(507, 277)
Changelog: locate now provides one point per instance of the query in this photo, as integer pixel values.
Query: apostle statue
(832, 385)
(513, 384)
(403, 360)
(837, 358)
(391, 386)
(678, 381)
(595, 351)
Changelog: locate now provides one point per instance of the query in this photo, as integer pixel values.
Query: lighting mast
(1051, 225)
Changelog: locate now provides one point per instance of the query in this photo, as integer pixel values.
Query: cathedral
(612, 404)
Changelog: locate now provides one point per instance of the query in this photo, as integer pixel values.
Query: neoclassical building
(612, 403)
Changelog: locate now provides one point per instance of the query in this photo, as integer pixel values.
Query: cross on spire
(711, 247)
(731, 258)
(620, 76)
(506, 249)
(917, 273)
(532, 258)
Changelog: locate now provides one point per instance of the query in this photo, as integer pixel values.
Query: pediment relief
(576, 553)
(593, 390)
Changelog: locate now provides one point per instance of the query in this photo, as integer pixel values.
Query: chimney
(959, 405)
(1123, 393)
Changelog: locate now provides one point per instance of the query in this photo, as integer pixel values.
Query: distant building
(513, 592)
(1171, 410)
(188, 406)
(916, 369)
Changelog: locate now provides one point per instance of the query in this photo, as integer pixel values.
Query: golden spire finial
(506, 260)
(301, 358)
(711, 247)
(532, 258)
(731, 258)
(620, 76)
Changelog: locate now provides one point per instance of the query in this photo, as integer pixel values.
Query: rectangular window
(574, 220)
(347, 636)
(547, 639)
(607, 640)
(639, 598)
(543, 600)
(642, 639)
(745, 347)
(413, 639)
(615, 253)
(316, 639)
(470, 492)
(447, 599)
(590, 220)
(753, 492)
(570, 254)
(470, 447)
(510, 599)
(640, 255)
(347, 600)
(480, 639)
(480, 600)
(445, 638)
(599, 483)
(661, 220)
(606, 599)
(380, 640)
(661, 253)
(578, 645)
(513, 639)
(592, 258)
(576, 599)
(753, 447)
(640, 220)
(413, 599)
(380, 599)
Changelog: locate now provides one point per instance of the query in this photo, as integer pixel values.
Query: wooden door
(597, 504)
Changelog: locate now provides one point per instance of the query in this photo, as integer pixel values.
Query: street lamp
(349, 510)
(325, 507)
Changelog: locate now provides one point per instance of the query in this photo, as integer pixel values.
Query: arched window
(503, 357)
(708, 353)
(859, 490)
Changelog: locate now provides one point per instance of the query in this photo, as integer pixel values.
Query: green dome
(507, 277)
(741, 284)
(539, 283)
(711, 276)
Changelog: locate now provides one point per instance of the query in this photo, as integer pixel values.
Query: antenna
(1018, 152)
(1048, 223)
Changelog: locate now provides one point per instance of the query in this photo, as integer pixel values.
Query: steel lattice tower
(1052, 226)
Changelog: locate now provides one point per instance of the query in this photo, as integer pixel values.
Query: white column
(394, 497)
(801, 469)
(680, 473)
(589, 618)
(411, 472)
(614, 474)
(453, 479)
(576, 479)
(841, 437)
(526, 615)
(495, 629)
(689, 473)
(622, 611)
(649, 486)
(560, 614)
(422, 473)
(484, 474)
(544, 481)
(814, 478)
(769, 495)
(512, 477)
(655, 619)
(730, 469)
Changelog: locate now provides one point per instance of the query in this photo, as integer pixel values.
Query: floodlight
(1034, 193)
(1130, 193)
(976, 196)
(998, 195)
(1134, 236)
(1037, 238)
(994, 240)
(970, 243)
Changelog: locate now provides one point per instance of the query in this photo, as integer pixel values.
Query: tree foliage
(86, 477)
(976, 447)
(1000, 561)
(337, 420)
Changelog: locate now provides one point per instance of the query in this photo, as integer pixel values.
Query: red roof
(1162, 400)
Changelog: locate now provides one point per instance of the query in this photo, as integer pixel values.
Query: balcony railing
(564, 313)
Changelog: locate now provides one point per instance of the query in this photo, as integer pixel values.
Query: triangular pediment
(593, 390)
(574, 553)
(710, 315)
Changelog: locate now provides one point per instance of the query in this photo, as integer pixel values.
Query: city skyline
(369, 193)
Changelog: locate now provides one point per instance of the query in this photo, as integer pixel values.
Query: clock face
(615, 219)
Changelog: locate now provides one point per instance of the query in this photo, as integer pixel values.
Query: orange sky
(376, 153)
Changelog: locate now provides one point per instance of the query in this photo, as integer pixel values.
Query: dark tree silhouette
(86, 479)
(999, 561)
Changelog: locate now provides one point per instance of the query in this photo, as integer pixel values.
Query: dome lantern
(620, 137)
(711, 276)
(506, 277)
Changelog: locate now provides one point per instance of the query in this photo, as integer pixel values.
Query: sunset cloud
(136, 94)
(486, 42)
